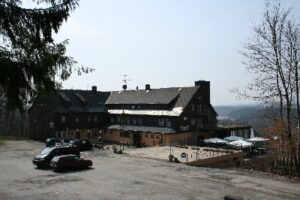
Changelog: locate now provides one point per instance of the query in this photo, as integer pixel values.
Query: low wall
(229, 160)
(178, 138)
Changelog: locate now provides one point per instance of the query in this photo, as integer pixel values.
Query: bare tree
(272, 56)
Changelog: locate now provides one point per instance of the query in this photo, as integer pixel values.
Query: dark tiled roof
(65, 101)
(154, 96)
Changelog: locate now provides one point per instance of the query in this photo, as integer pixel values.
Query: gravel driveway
(116, 176)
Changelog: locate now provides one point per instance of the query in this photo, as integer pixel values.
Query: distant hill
(244, 112)
(252, 114)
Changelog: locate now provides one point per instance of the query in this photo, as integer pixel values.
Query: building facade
(69, 114)
(141, 117)
(149, 117)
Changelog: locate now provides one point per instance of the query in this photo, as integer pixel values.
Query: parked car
(52, 142)
(83, 145)
(69, 162)
(66, 140)
(43, 159)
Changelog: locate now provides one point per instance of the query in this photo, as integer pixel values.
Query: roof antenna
(125, 80)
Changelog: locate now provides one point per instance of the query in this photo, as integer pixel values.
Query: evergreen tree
(30, 60)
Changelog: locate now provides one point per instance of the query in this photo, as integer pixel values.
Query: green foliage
(30, 60)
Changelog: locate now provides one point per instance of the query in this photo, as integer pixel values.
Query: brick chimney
(94, 88)
(204, 88)
(147, 87)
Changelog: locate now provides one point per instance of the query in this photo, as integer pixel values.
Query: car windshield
(46, 151)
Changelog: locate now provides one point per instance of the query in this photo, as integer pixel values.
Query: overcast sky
(166, 43)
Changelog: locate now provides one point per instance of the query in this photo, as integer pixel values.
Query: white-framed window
(140, 121)
(134, 121)
(95, 119)
(193, 108)
(161, 122)
(200, 123)
(168, 123)
(128, 120)
(63, 119)
(199, 108)
(193, 122)
(118, 118)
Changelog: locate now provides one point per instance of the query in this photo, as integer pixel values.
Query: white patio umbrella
(215, 141)
(241, 143)
(258, 139)
(233, 138)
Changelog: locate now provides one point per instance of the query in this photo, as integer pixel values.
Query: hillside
(252, 114)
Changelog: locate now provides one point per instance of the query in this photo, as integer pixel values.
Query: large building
(141, 117)
(148, 117)
(69, 114)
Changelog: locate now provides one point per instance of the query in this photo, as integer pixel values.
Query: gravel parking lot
(116, 176)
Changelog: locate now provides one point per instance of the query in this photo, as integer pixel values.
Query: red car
(69, 162)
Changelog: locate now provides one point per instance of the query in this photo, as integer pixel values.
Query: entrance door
(137, 139)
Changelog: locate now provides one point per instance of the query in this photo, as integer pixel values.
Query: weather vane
(125, 80)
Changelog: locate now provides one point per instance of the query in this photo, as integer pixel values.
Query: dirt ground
(115, 176)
